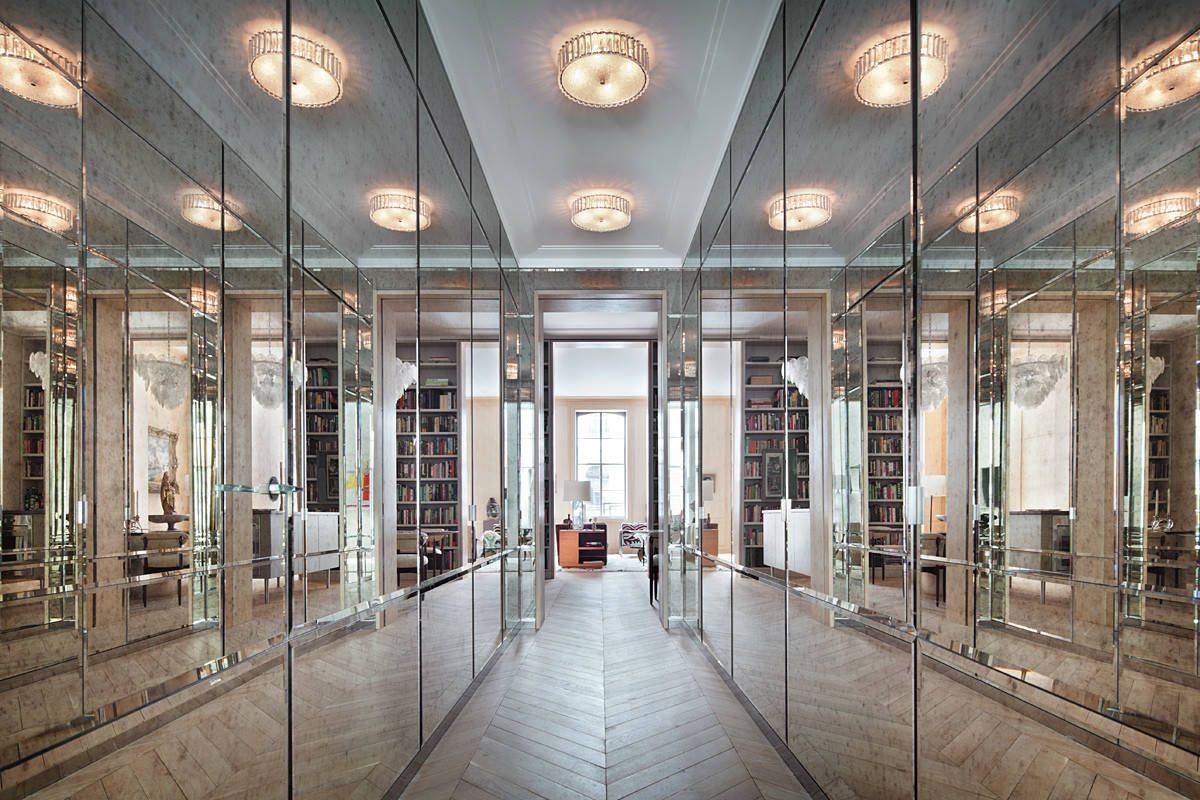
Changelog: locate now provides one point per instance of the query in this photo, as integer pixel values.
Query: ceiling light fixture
(42, 210)
(601, 211)
(1157, 214)
(603, 69)
(996, 212)
(1167, 82)
(883, 72)
(202, 209)
(39, 78)
(800, 211)
(400, 211)
(316, 70)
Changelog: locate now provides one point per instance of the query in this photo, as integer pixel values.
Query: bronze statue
(168, 488)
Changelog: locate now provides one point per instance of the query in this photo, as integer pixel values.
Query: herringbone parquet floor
(603, 704)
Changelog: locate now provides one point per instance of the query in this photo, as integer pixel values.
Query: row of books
(436, 515)
(430, 399)
(442, 492)
(885, 491)
(405, 423)
(321, 376)
(441, 469)
(35, 397)
(885, 398)
(322, 424)
(429, 447)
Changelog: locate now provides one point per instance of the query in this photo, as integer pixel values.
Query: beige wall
(717, 453)
(635, 455)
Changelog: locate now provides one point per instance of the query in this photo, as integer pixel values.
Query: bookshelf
(33, 444)
(1158, 446)
(549, 545)
(653, 423)
(428, 480)
(769, 472)
(322, 396)
(885, 441)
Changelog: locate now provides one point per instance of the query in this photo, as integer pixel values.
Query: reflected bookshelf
(428, 480)
(775, 441)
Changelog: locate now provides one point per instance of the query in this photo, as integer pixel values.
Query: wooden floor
(602, 703)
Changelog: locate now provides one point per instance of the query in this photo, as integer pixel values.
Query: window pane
(587, 426)
(589, 472)
(587, 451)
(614, 427)
(614, 477)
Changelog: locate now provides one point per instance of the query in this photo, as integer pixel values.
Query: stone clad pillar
(1095, 516)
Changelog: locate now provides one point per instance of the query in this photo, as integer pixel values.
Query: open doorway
(602, 442)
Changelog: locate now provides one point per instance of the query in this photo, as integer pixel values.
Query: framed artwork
(773, 474)
(160, 455)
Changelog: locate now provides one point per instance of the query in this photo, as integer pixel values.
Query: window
(600, 460)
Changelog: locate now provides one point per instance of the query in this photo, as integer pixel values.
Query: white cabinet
(798, 547)
(321, 539)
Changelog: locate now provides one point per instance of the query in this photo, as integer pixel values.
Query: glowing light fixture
(202, 209)
(1158, 214)
(601, 211)
(400, 211)
(603, 69)
(800, 211)
(996, 212)
(882, 74)
(36, 77)
(316, 70)
(1167, 82)
(42, 210)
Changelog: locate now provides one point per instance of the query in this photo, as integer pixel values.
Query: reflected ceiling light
(40, 209)
(39, 78)
(996, 212)
(202, 209)
(601, 211)
(1157, 214)
(883, 72)
(316, 70)
(1170, 81)
(603, 69)
(400, 211)
(800, 211)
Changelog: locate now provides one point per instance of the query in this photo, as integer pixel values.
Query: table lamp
(577, 493)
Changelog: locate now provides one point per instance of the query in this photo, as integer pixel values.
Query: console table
(586, 548)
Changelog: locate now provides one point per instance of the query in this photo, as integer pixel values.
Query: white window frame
(597, 503)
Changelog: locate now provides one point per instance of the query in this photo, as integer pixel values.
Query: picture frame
(161, 455)
(774, 474)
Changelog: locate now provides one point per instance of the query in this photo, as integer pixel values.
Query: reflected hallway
(603, 703)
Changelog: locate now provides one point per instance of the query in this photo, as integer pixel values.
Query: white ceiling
(537, 147)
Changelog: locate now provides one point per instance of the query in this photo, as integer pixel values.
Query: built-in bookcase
(885, 441)
(772, 417)
(653, 426)
(1158, 448)
(322, 401)
(548, 542)
(33, 438)
(429, 480)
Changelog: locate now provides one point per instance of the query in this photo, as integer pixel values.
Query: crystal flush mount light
(36, 77)
(883, 72)
(1167, 82)
(800, 211)
(202, 209)
(316, 70)
(603, 69)
(601, 211)
(42, 210)
(399, 210)
(1157, 214)
(996, 212)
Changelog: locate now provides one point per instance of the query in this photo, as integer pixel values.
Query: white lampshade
(577, 490)
(935, 485)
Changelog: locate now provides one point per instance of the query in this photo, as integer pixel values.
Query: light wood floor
(603, 704)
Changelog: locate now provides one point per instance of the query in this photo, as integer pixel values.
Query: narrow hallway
(602, 703)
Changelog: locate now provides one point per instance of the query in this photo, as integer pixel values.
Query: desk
(586, 548)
